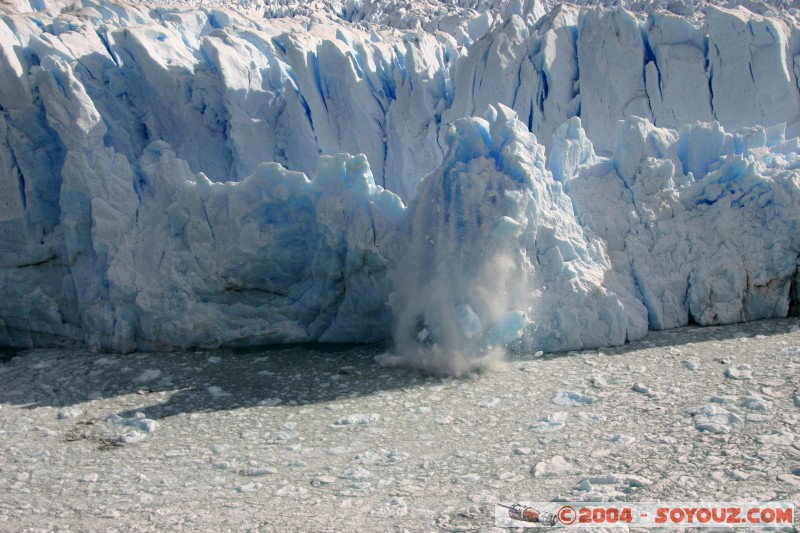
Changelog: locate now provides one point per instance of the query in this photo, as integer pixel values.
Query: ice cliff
(543, 178)
(702, 223)
(495, 257)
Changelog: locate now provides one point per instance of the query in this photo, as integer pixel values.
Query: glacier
(709, 219)
(502, 174)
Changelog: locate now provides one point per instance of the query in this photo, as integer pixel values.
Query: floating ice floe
(714, 419)
(139, 421)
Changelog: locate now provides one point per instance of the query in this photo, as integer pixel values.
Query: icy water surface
(320, 438)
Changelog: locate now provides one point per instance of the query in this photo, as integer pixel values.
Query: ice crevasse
(176, 178)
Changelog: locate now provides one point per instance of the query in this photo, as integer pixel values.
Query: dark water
(7, 354)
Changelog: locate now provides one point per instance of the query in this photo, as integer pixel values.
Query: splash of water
(495, 258)
(460, 290)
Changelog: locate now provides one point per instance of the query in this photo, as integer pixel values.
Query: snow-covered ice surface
(320, 438)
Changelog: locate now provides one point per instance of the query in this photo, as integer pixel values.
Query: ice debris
(205, 182)
(555, 466)
(571, 399)
(714, 419)
(138, 421)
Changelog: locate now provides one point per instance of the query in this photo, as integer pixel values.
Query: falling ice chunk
(468, 320)
(505, 228)
(509, 328)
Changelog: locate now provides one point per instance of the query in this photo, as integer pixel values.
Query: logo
(567, 515)
(747, 515)
(522, 513)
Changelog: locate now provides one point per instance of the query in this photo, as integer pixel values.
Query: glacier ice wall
(169, 177)
(703, 224)
(164, 258)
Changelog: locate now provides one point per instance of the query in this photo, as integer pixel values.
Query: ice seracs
(696, 204)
